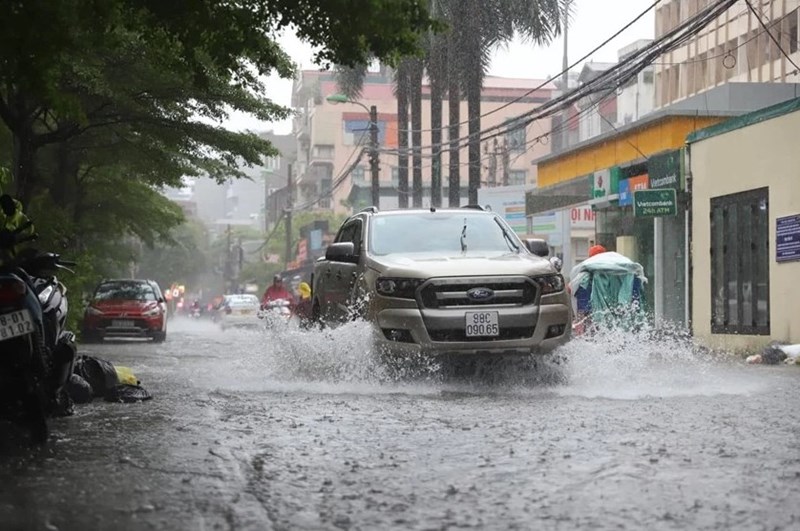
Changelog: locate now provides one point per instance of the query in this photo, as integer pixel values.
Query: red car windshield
(127, 291)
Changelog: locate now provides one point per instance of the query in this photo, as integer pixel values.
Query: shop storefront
(635, 186)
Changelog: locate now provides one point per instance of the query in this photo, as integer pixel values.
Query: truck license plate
(482, 324)
(15, 324)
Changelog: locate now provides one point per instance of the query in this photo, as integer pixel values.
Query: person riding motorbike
(608, 291)
(275, 292)
(303, 307)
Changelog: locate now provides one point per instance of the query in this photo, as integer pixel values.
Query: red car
(126, 308)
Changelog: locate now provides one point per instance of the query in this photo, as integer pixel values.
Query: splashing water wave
(611, 364)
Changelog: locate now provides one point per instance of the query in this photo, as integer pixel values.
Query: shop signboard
(509, 203)
(601, 184)
(665, 170)
(787, 241)
(630, 185)
(315, 239)
(582, 217)
(548, 226)
(655, 203)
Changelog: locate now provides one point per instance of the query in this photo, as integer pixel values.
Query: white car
(239, 310)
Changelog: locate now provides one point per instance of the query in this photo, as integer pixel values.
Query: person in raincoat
(302, 309)
(608, 291)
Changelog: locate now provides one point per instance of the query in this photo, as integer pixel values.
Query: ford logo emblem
(480, 294)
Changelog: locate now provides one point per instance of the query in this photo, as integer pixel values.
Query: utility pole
(373, 155)
(228, 262)
(288, 213)
(505, 159)
(565, 60)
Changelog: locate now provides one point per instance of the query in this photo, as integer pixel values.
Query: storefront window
(740, 263)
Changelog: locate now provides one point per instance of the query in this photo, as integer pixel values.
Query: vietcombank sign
(655, 203)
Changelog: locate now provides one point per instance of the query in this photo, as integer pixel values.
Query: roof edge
(644, 121)
(761, 115)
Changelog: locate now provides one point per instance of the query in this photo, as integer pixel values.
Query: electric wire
(614, 77)
(557, 76)
(771, 36)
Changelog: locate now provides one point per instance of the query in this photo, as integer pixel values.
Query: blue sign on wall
(787, 241)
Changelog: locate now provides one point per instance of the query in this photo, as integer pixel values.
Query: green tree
(61, 86)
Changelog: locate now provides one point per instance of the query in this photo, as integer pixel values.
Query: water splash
(650, 362)
(611, 364)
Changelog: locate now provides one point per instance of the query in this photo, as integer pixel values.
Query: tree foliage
(104, 102)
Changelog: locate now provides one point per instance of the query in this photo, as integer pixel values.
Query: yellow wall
(764, 154)
(668, 133)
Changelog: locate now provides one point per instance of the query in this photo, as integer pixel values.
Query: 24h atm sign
(655, 203)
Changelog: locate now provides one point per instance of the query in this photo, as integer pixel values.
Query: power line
(614, 77)
(557, 76)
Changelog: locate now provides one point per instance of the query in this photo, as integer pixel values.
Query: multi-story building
(733, 48)
(244, 201)
(330, 137)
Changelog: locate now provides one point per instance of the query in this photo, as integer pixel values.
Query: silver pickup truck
(443, 281)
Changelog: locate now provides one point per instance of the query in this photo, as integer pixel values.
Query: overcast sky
(594, 21)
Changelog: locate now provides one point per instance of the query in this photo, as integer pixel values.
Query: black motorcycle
(36, 352)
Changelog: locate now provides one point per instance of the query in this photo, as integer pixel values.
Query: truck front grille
(454, 292)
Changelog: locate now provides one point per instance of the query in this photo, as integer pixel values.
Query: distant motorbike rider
(276, 292)
(303, 307)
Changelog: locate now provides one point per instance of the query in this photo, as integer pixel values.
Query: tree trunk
(474, 112)
(402, 134)
(454, 131)
(68, 166)
(416, 129)
(437, 74)
(23, 166)
(436, 141)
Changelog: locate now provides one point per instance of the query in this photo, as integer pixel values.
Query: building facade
(607, 171)
(733, 48)
(746, 229)
(331, 136)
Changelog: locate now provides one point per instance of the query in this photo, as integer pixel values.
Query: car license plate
(246, 312)
(15, 324)
(122, 323)
(482, 324)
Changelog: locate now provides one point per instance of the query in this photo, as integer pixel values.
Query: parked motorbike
(38, 352)
(276, 312)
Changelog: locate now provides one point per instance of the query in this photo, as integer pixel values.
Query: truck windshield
(451, 233)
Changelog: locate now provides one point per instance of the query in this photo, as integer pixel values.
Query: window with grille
(740, 263)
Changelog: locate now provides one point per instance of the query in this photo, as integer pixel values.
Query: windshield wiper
(464, 237)
(511, 243)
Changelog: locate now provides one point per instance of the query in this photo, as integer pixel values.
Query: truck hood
(429, 265)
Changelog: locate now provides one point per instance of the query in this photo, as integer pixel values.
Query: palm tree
(416, 69)
(402, 87)
(436, 66)
(477, 27)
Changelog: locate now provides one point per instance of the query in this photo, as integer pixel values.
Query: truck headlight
(403, 288)
(550, 283)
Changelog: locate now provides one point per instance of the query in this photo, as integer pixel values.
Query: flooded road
(249, 430)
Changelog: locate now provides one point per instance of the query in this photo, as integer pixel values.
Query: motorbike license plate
(15, 324)
(482, 324)
(122, 323)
